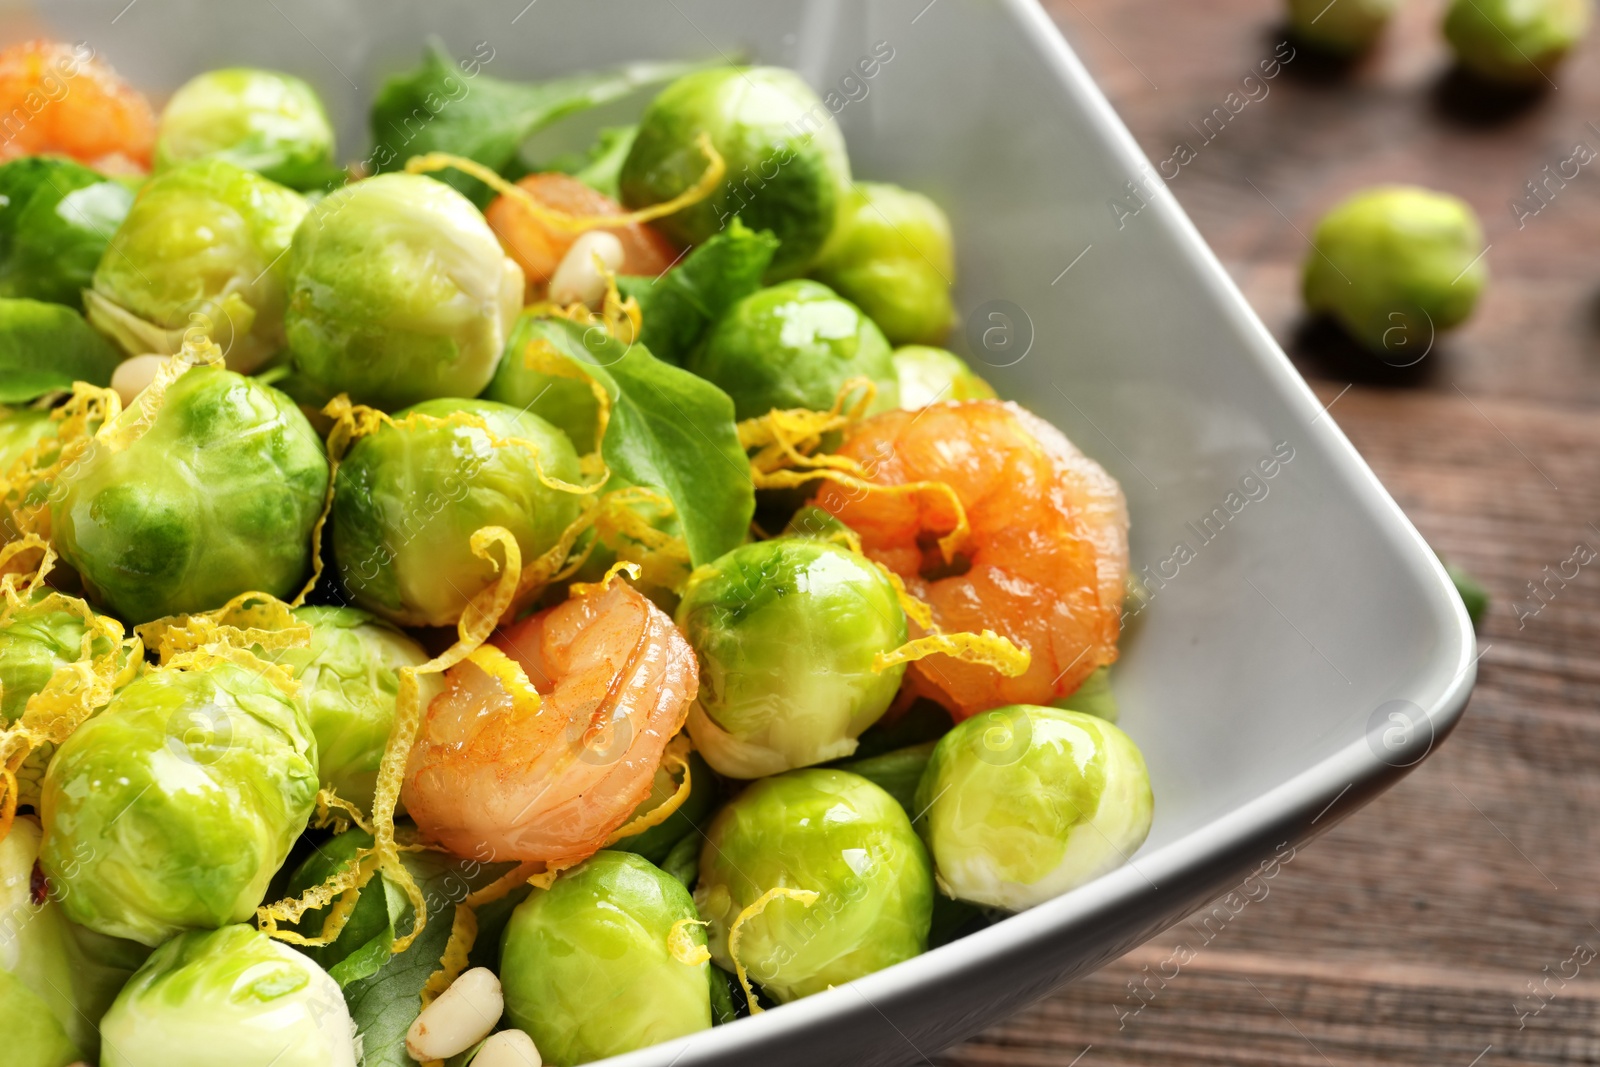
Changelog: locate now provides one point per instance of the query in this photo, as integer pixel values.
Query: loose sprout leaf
(682, 304)
(56, 219)
(437, 108)
(46, 347)
(670, 431)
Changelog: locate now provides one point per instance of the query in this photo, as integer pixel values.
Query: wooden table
(1418, 931)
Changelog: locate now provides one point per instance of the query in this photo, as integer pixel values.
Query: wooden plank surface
(1454, 922)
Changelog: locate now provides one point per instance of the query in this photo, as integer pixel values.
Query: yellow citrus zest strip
(345, 885)
(622, 566)
(988, 649)
(542, 356)
(23, 507)
(338, 813)
(675, 756)
(804, 896)
(916, 610)
(716, 168)
(197, 351)
(547, 878)
(622, 526)
(463, 933)
(503, 885)
(525, 699)
(682, 946)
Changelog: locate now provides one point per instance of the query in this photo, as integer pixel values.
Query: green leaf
(897, 772)
(1093, 696)
(439, 107)
(672, 431)
(682, 304)
(46, 347)
(56, 219)
(600, 166)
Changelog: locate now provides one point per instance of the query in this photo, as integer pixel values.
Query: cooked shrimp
(495, 774)
(539, 249)
(1044, 562)
(58, 98)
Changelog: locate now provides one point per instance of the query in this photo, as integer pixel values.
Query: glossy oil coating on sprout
(490, 775)
(1044, 563)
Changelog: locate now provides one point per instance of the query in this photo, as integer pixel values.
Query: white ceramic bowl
(1307, 647)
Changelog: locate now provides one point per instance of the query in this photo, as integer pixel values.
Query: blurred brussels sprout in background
(261, 120)
(399, 292)
(794, 345)
(657, 842)
(1518, 42)
(348, 682)
(1342, 28)
(233, 995)
(588, 967)
(56, 218)
(203, 248)
(933, 375)
(567, 403)
(891, 255)
(409, 497)
(172, 808)
(1394, 264)
(1024, 803)
(56, 978)
(218, 497)
(787, 167)
(785, 632)
(827, 832)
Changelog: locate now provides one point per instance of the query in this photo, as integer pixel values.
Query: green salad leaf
(680, 305)
(670, 430)
(56, 219)
(435, 109)
(599, 167)
(45, 347)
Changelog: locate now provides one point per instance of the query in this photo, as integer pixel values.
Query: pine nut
(508, 1048)
(578, 280)
(134, 374)
(463, 1015)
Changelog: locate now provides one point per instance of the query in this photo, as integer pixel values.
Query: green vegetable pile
(308, 473)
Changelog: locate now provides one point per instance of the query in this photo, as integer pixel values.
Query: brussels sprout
(1518, 42)
(56, 979)
(1395, 263)
(826, 832)
(261, 120)
(234, 995)
(787, 167)
(409, 497)
(794, 345)
(567, 403)
(172, 808)
(20, 430)
(786, 631)
(587, 965)
(1342, 28)
(56, 218)
(656, 843)
(218, 497)
(1024, 803)
(933, 375)
(399, 292)
(202, 247)
(891, 256)
(349, 679)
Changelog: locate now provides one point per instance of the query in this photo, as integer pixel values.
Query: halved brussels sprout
(202, 248)
(891, 256)
(1023, 803)
(588, 967)
(261, 120)
(794, 345)
(409, 497)
(56, 978)
(56, 218)
(933, 375)
(172, 808)
(399, 292)
(826, 832)
(232, 995)
(787, 166)
(786, 631)
(349, 679)
(218, 497)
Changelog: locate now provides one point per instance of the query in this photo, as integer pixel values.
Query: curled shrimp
(58, 98)
(1044, 562)
(497, 772)
(538, 249)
